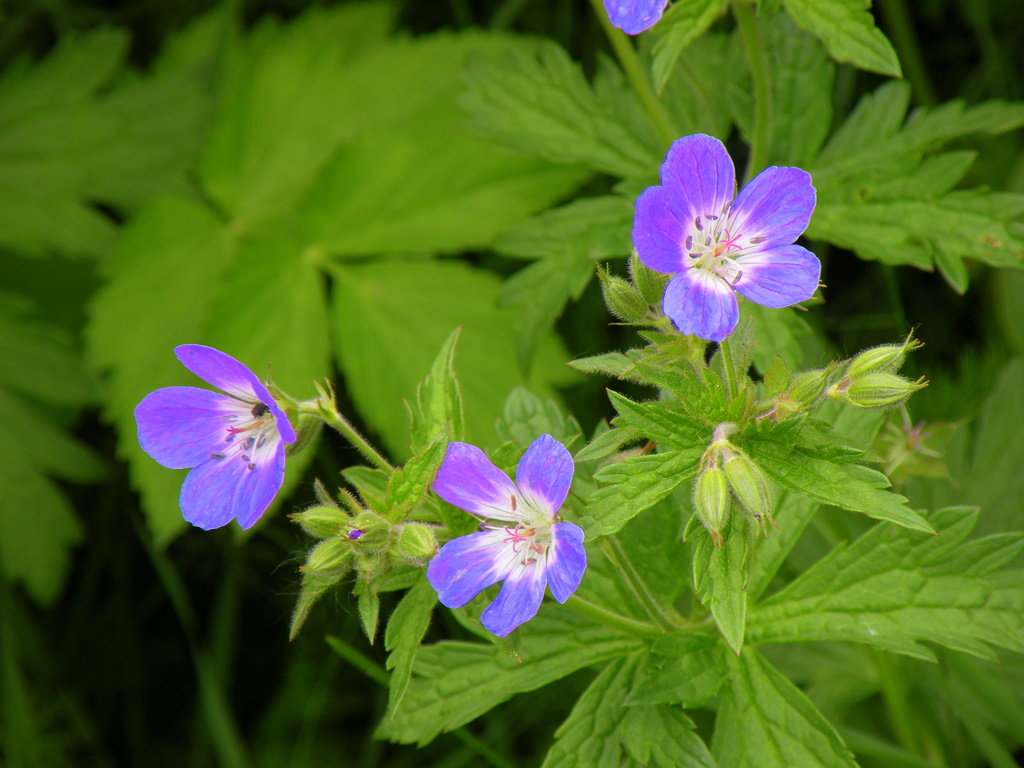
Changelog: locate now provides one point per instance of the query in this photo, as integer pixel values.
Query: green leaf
(683, 22)
(390, 317)
(538, 102)
(369, 611)
(665, 422)
(800, 87)
(327, 564)
(892, 590)
(840, 485)
(456, 682)
(686, 668)
(634, 485)
(663, 736)
(162, 281)
(880, 194)
(720, 575)
(697, 95)
(288, 101)
(848, 31)
(438, 401)
(526, 417)
(589, 736)
(406, 627)
(764, 721)
(407, 487)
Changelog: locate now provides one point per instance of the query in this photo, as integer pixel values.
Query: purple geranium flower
(535, 552)
(634, 16)
(713, 245)
(234, 442)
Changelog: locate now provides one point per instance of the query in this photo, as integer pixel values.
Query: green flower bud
(417, 542)
(810, 386)
(328, 560)
(886, 358)
(750, 487)
(711, 501)
(323, 522)
(876, 390)
(650, 284)
(374, 530)
(622, 298)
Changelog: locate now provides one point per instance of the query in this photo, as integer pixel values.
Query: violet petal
(221, 489)
(567, 560)
(780, 277)
(180, 426)
(518, 601)
(659, 234)
(701, 303)
(544, 474)
(700, 179)
(470, 481)
(776, 205)
(466, 566)
(634, 16)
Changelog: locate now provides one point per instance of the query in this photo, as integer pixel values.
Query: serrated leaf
(893, 589)
(664, 422)
(162, 281)
(287, 103)
(831, 483)
(408, 485)
(800, 95)
(456, 682)
(526, 417)
(606, 443)
(538, 102)
(406, 627)
(369, 612)
(663, 736)
(438, 400)
(685, 668)
(720, 575)
(764, 721)
(391, 316)
(634, 485)
(848, 31)
(610, 363)
(684, 21)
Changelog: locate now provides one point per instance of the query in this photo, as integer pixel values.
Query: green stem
(612, 619)
(743, 12)
(730, 370)
(895, 695)
(615, 552)
(626, 54)
(900, 29)
(329, 413)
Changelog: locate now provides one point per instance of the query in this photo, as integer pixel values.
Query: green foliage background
(333, 189)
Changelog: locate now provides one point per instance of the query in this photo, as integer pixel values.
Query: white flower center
(250, 436)
(715, 246)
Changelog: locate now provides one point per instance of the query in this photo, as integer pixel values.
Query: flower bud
(324, 522)
(876, 390)
(417, 542)
(886, 358)
(750, 486)
(307, 427)
(373, 530)
(622, 299)
(809, 387)
(328, 560)
(711, 501)
(649, 284)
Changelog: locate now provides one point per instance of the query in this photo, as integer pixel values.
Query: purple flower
(528, 550)
(234, 442)
(634, 16)
(713, 245)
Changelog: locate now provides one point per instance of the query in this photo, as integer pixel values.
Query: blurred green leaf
(390, 318)
(893, 589)
(438, 400)
(848, 30)
(764, 721)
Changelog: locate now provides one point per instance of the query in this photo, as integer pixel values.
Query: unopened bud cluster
(871, 380)
(728, 474)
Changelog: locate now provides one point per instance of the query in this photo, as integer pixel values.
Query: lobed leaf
(406, 627)
(848, 31)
